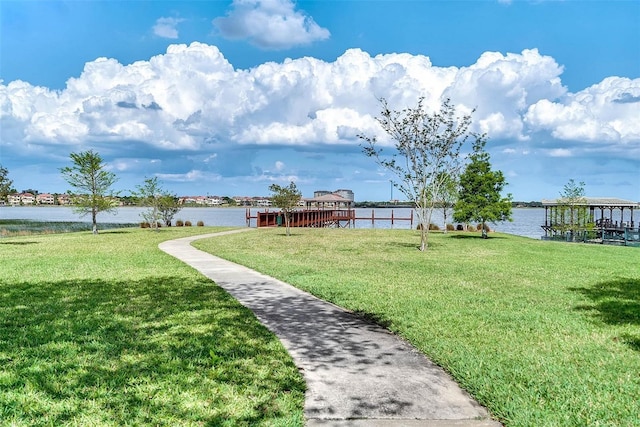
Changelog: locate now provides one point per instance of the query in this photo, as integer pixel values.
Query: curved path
(357, 373)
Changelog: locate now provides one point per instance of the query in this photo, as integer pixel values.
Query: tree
(162, 204)
(92, 183)
(168, 206)
(285, 198)
(5, 184)
(448, 196)
(229, 201)
(426, 151)
(148, 195)
(480, 195)
(573, 210)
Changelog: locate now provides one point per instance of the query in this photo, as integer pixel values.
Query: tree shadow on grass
(615, 302)
(158, 351)
(475, 235)
(19, 243)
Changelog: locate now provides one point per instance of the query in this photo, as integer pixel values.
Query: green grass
(542, 333)
(23, 227)
(108, 330)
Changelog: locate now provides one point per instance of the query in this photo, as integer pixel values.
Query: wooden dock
(318, 218)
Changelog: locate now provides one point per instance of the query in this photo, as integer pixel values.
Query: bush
(145, 225)
(187, 223)
(486, 227)
(200, 224)
(450, 227)
(434, 227)
(460, 227)
(179, 223)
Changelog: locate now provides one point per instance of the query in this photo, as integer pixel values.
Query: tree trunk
(94, 221)
(484, 230)
(286, 222)
(444, 216)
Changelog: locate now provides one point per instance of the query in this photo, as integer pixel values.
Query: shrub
(434, 227)
(450, 227)
(486, 227)
(200, 224)
(460, 227)
(179, 223)
(187, 223)
(145, 224)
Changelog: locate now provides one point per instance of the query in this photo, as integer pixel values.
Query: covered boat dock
(604, 220)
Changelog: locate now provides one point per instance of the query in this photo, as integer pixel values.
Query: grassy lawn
(542, 333)
(108, 330)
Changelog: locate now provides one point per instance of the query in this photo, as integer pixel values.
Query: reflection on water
(526, 221)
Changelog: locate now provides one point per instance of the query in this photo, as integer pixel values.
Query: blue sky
(225, 98)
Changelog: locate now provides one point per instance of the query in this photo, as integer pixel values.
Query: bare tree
(426, 152)
(92, 184)
(285, 198)
(448, 196)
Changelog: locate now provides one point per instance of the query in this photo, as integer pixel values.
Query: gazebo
(329, 201)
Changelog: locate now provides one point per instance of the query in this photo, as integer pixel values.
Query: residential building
(45, 199)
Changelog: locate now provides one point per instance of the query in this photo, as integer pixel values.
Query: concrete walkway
(357, 373)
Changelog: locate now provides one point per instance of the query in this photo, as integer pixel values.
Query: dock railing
(321, 218)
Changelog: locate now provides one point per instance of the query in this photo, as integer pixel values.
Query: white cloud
(501, 88)
(270, 24)
(605, 112)
(279, 165)
(560, 152)
(191, 98)
(166, 27)
(191, 176)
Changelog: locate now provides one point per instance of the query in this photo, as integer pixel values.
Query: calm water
(526, 221)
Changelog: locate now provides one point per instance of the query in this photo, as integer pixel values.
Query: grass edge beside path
(108, 330)
(541, 333)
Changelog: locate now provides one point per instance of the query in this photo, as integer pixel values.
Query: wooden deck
(317, 218)
(307, 218)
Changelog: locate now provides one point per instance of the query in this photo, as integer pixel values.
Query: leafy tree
(229, 201)
(426, 152)
(285, 198)
(162, 204)
(168, 206)
(92, 184)
(480, 197)
(573, 209)
(5, 184)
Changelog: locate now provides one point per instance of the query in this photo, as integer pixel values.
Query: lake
(526, 221)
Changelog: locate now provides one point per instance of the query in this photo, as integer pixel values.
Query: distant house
(242, 200)
(64, 199)
(214, 201)
(262, 202)
(45, 199)
(21, 199)
(13, 199)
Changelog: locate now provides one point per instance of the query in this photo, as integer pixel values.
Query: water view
(526, 221)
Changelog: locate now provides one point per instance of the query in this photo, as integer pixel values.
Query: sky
(228, 97)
